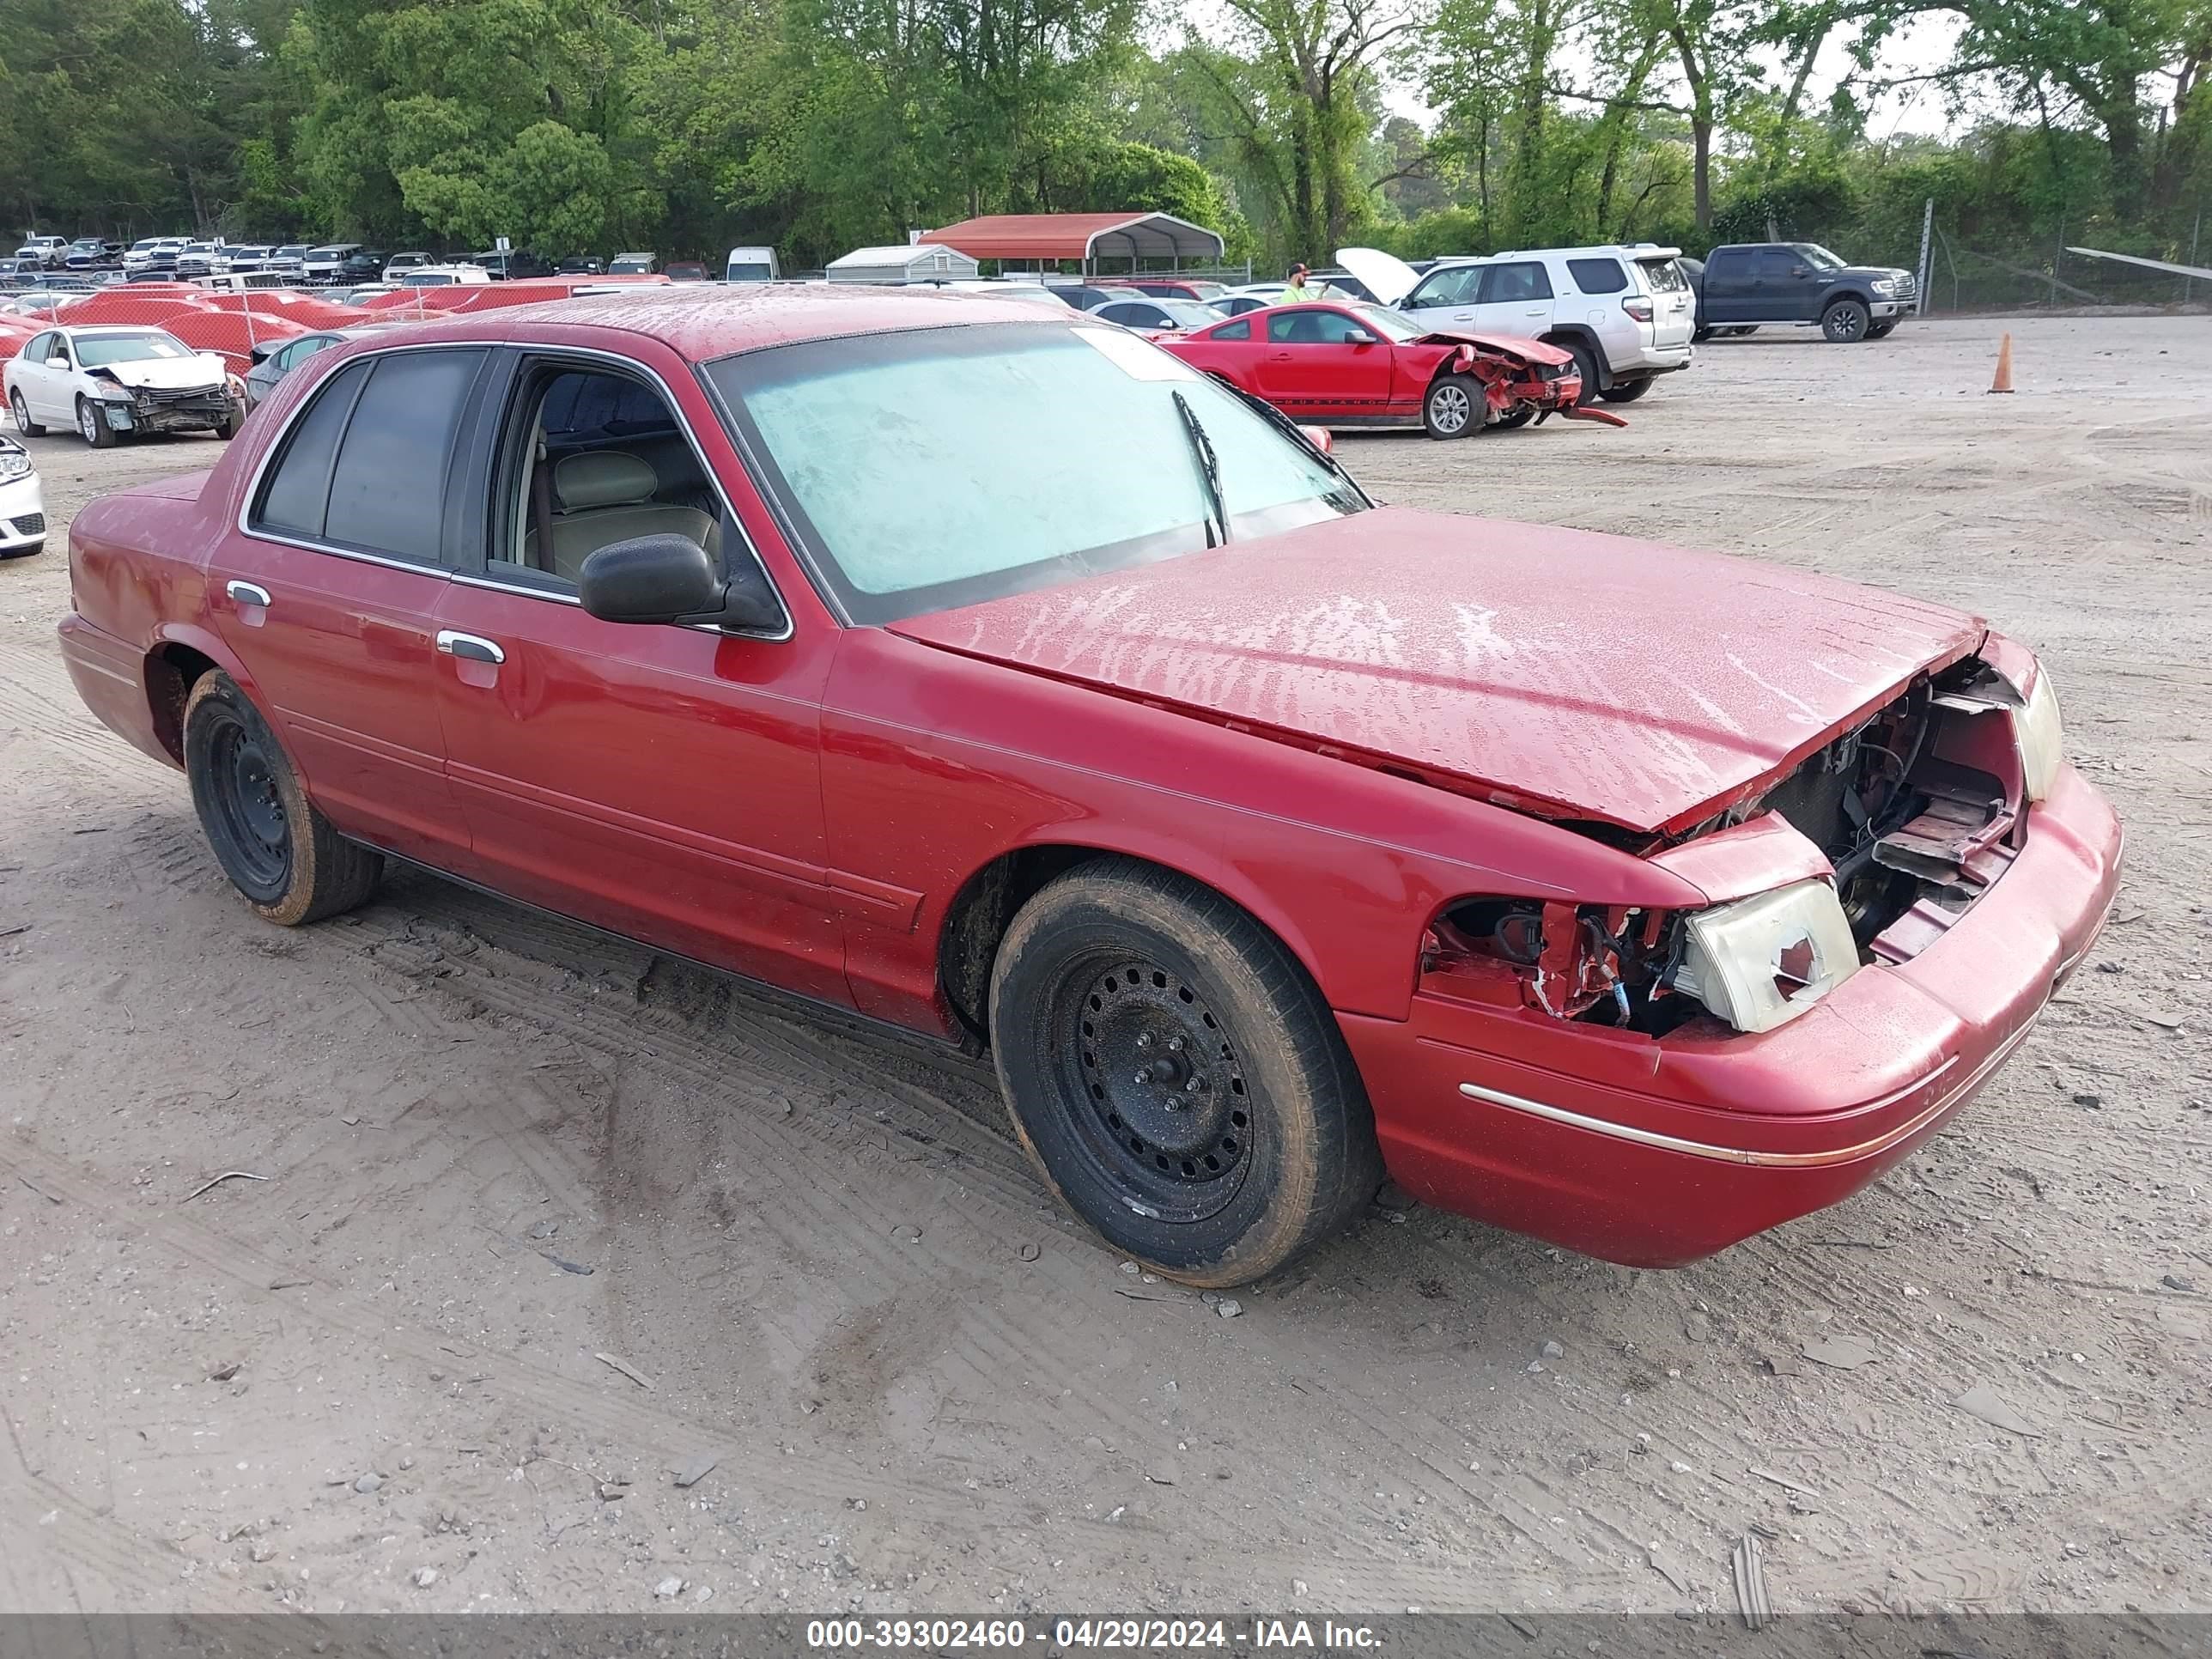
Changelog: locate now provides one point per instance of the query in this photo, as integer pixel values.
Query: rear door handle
(472, 646)
(247, 594)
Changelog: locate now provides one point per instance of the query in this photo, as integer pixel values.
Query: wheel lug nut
(1144, 1039)
(1175, 1045)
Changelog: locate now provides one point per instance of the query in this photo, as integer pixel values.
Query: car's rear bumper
(1656, 1153)
(110, 676)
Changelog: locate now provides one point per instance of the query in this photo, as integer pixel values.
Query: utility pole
(1927, 234)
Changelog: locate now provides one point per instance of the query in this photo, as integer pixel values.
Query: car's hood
(1556, 671)
(171, 374)
(1389, 279)
(1533, 351)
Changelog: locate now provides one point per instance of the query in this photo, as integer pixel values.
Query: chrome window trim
(469, 579)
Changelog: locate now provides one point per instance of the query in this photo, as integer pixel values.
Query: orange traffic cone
(2003, 381)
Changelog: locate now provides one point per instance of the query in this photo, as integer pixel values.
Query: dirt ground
(547, 1218)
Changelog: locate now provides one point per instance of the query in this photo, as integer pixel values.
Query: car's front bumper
(1656, 1154)
(23, 515)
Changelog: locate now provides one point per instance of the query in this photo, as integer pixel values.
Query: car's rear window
(1598, 275)
(1665, 276)
(941, 466)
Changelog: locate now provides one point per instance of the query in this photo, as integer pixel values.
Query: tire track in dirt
(823, 1480)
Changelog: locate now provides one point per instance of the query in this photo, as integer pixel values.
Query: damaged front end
(1523, 376)
(1867, 851)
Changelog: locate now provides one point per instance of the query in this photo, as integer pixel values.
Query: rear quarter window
(298, 488)
(1236, 331)
(1598, 275)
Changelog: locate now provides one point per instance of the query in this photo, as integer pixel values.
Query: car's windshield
(944, 466)
(97, 350)
(1390, 325)
(1819, 257)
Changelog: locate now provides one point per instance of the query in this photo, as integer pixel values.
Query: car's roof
(112, 328)
(702, 322)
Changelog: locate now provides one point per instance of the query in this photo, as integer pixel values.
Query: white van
(751, 265)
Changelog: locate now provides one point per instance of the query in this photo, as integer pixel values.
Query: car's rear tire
(92, 425)
(24, 423)
(1178, 1075)
(1627, 392)
(277, 850)
(1845, 322)
(1452, 407)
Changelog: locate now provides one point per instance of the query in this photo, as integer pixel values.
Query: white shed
(921, 262)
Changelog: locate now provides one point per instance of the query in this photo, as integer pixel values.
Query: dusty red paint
(1319, 726)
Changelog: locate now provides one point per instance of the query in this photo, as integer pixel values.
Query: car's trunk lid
(1574, 675)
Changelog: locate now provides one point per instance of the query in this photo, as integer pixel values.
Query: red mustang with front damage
(1345, 364)
(996, 674)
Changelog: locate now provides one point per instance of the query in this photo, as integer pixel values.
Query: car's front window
(941, 467)
(98, 350)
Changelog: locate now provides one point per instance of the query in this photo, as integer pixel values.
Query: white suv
(1627, 313)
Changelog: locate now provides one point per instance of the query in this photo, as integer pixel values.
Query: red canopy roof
(1085, 236)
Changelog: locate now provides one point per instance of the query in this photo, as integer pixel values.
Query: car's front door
(1444, 299)
(662, 781)
(53, 380)
(1784, 286)
(1324, 363)
(327, 593)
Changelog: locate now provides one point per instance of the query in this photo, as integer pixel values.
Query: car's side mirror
(1358, 336)
(672, 578)
(59, 360)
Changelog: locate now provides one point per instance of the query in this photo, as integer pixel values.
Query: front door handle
(247, 594)
(473, 647)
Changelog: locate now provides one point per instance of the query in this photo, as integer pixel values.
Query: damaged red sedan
(1360, 365)
(1000, 676)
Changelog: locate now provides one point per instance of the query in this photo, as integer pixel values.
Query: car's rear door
(327, 588)
(1515, 298)
(660, 781)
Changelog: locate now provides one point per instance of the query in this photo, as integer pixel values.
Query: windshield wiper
(1209, 471)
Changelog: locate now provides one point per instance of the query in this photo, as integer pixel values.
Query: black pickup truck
(1746, 286)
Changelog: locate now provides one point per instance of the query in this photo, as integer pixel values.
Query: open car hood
(169, 373)
(1389, 279)
(1556, 671)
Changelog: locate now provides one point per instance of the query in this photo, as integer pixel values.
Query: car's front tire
(92, 425)
(1452, 407)
(24, 423)
(1845, 322)
(277, 850)
(1178, 1075)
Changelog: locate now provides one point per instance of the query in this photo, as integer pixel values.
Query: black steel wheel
(1169, 1113)
(1176, 1074)
(277, 848)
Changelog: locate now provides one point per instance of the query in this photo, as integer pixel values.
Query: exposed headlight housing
(2042, 740)
(14, 464)
(1760, 961)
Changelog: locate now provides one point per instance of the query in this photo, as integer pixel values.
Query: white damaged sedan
(117, 379)
(22, 509)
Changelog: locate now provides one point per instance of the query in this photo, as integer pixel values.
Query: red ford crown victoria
(993, 673)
